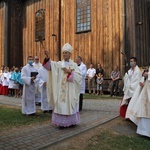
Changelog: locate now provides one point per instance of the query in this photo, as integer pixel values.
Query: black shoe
(47, 111)
(61, 127)
(38, 104)
(80, 109)
(72, 126)
(50, 111)
(31, 114)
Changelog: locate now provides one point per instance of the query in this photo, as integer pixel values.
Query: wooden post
(6, 31)
(59, 32)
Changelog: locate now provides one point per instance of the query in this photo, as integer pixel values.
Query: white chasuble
(134, 104)
(143, 126)
(139, 109)
(144, 107)
(63, 95)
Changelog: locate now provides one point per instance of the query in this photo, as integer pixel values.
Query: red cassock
(123, 110)
(4, 90)
(0, 89)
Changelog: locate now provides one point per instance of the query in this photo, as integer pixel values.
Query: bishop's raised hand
(46, 54)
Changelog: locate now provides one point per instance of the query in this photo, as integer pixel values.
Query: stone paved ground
(95, 113)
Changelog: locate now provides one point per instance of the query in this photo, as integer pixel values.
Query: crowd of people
(59, 87)
(13, 85)
(30, 83)
(135, 105)
(49, 85)
(95, 78)
(10, 82)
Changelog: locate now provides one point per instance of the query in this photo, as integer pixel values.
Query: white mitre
(67, 47)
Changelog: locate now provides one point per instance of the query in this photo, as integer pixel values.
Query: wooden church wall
(101, 45)
(30, 47)
(138, 30)
(142, 28)
(15, 55)
(10, 35)
(1, 33)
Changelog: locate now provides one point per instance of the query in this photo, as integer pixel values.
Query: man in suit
(83, 70)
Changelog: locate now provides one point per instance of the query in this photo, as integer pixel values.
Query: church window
(83, 16)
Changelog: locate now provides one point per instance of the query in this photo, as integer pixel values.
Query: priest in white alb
(37, 65)
(139, 108)
(63, 88)
(131, 81)
(29, 76)
(45, 106)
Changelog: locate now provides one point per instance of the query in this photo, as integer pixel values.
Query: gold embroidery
(63, 88)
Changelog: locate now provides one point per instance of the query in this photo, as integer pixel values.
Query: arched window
(83, 15)
(40, 25)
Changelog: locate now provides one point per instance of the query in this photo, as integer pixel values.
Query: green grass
(98, 97)
(11, 117)
(109, 141)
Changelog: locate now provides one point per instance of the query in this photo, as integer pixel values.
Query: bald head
(78, 59)
(36, 59)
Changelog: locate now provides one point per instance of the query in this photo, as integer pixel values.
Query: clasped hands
(32, 79)
(145, 74)
(44, 84)
(67, 70)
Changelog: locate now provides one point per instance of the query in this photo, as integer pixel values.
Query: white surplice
(131, 82)
(43, 76)
(11, 82)
(139, 109)
(83, 70)
(4, 78)
(38, 92)
(37, 65)
(29, 90)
